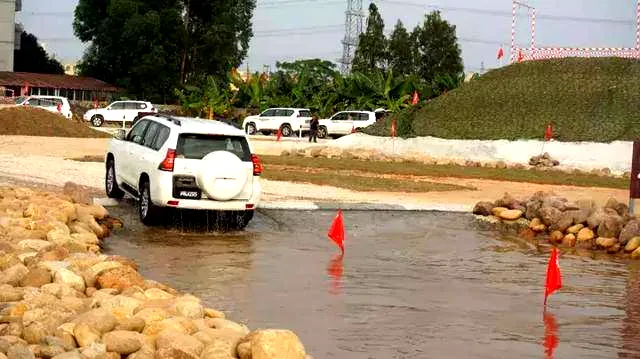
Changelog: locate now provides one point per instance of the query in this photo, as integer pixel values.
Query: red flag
(548, 133)
(279, 135)
(394, 132)
(415, 99)
(554, 278)
(353, 129)
(520, 56)
(500, 53)
(336, 232)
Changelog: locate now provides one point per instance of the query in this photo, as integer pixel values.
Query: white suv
(119, 111)
(55, 104)
(184, 163)
(343, 123)
(288, 120)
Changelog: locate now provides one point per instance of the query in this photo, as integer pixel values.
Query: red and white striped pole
(513, 31)
(533, 31)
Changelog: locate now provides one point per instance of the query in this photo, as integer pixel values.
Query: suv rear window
(193, 146)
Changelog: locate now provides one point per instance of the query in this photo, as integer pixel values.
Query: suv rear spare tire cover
(222, 175)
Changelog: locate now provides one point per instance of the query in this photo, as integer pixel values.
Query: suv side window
(268, 113)
(117, 106)
(130, 105)
(305, 113)
(161, 138)
(340, 117)
(363, 117)
(150, 135)
(137, 132)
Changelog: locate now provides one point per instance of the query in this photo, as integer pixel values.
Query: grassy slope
(38, 122)
(586, 99)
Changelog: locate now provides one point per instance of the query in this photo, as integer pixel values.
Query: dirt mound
(25, 121)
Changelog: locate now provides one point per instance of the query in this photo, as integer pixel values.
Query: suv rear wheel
(110, 182)
(251, 129)
(286, 130)
(322, 132)
(97, 120)
(149, 212)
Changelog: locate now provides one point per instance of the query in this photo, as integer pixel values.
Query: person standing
(313, 129)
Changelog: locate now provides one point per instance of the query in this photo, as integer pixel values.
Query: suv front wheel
(110, 182)
(97, 120)
(149, 212)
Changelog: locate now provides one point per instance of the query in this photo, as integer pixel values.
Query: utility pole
(352, 29)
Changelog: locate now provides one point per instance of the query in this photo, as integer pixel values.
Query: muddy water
(411, 285)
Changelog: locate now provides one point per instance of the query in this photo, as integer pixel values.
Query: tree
(371, 53)
(33, 58)
(438, 52)
(401, 51)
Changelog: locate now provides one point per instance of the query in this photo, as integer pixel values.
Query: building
(9, 32)
(70, 69)
(74, 88)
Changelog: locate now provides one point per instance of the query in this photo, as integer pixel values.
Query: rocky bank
(579, 225)
(61, 298)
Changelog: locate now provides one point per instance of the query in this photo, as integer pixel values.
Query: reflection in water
(335, 270)
(551, 340)
(631, 322)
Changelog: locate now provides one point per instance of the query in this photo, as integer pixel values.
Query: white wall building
(9, 32)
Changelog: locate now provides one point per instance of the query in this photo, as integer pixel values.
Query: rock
(177, 324)
(508, 201)
(58, 253)
(575, 229)
(100, 319)
(10, 294)
(629, 231)
(86, 238)
(58, 237)
(511, 214)
(95, 350)
(569, 240)
(156, 293)
(219, 323)
(123, 342)
(91, 274)
(483, 208)
(131, 324)
(169, 339)
(565, 220)
(550, 216)
(612, 203)
(276, 344)
(189, 309)
(35, 332)
(636, 254)
(586, 234)
(119, 278)
(69, 355)
(533, 209)
(95, 210)
(219, 343)
(69, 278)
(151, 315)
(537, 226)
(20, 351)
(244, 350)
(120, 306)
(606, 242)
(78, 193)
(212, 313)
(611, 226)
(633, 244)
(556, 237)
(14, 274)
(497, 210)
(85, 335)
(36, 277)
(614, 248)
(596, 218)
(50, 351)
(35, 244)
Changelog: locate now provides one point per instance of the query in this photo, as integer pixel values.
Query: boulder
(119, 278)
(511, 214)
(100, 319)
(69, 355)
(596, 218)
(483, 208)
(575, 229)
(10, 294)
(176, 324)
(586, 234)
(556, 237)
(219, 323)
(606, 242)
(95, 350)
(532, 209)
(636, 254)
(69, 278)
(176, 341)
(550, 216)
(219, 344)
(611, 226)
(276, 344)
(569, 240)
(85, 335)
(614, 248)
(36, 277)
(497, 210)
(131, 324)
(508, 201)
(35, 332)
(20, 351)
(151, 315)
(14, 274)
(565, 220)
(632, 244)
(77, 193)
(212, 313)
(156, 293)
(629, 231)
(123, 342)
(35, 244)
(95, 210)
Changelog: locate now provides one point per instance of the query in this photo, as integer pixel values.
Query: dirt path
(41, 160)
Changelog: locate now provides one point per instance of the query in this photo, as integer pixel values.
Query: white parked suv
(288, 120)
(119, 111)
(343, 123)
(184, 163)
(57, 104)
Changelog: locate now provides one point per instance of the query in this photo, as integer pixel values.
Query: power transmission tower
(352, 29)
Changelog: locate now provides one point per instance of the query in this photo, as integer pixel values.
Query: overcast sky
(314, 28)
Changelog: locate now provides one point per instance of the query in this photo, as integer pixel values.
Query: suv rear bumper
(162, 195)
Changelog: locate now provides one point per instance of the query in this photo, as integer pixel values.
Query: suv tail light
(169, 160)
(258, 168)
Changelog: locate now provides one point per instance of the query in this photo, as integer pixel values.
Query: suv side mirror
(120, 135)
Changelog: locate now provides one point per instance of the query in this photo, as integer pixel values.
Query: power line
(509, 14)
